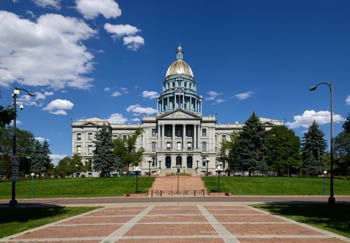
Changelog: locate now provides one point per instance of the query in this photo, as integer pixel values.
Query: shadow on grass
(27, 213)
(333, 218)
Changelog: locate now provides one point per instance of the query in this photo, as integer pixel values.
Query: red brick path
(202, 224)
(186, 183)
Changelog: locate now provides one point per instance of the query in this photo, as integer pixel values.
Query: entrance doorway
(168, 162)
(179, 161)
(189, 162)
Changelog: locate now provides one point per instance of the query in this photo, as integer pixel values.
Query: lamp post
(331, 199)
(324, 183)
(178, 167)
(137, 170)
(76, 170)
(160, 167)
(197, 166)
(219, 169)
(15, 164)
(149, 167)
(206, 160)
(32, 174)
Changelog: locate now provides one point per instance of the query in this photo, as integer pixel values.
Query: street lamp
(219, 169)
(32, 174)
(15, 164)
(76, 170)
(324, 182)
(137, 170)
(331, 199)
(178, 167)
(206, 160)
(149, 167)
(160, 167)
(197, 166)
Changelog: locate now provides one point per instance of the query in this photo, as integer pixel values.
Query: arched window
(189, 162)
(168, 162)
(179, 160)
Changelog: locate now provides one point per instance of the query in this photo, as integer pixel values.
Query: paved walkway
(169, 183)
(177, 223)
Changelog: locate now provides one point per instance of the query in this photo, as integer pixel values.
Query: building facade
(177, 137)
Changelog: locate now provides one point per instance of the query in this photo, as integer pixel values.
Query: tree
(282, 150)
(228, 151)
(77, 164)
(38, 158)
(25, 141)
(104, 160)
(342, 149)
(314, 146)
(64, 167)
(251, 146)
(6, 116)
(125, 149)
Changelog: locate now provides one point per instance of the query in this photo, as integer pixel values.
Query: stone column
(158, 137)
(194, 137)
(163, 138)
(183, 136)
(168, 104)
(201, 106)
(173, 138)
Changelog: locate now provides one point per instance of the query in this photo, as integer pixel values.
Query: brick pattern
(186, 183)
(181, 224)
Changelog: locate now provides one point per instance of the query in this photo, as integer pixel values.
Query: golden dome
(179, 67)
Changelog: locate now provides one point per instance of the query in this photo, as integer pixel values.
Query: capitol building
(178, 136)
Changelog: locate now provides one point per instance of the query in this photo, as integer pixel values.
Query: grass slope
(79, 187)
(275, 185)
(335, 219)
(15, 220)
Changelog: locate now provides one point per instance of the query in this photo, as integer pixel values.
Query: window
(178, 131)
(154, 132)
(223, 137)
(154, 146)
(189, 132)
(154, 162)
(216, 149)
(78, 149)
(204, 132)
(168, 145)
(78, 136)
(204, 146)
(216, 138)
(189, 145)
(124, 137)
(179, 145)
(90, 149)
(90, 135)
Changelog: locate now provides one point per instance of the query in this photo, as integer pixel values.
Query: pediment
(179, 114)
(90, 124)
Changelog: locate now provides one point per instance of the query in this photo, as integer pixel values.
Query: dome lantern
(179, 66)
(179, 53)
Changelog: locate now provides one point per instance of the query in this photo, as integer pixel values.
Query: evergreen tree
(251, 146)
(104, 160)
(314, 146)
(346, 124)
(282, 150)
(46, 155)
(38, 159)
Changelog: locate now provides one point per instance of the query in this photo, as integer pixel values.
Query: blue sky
(246, 56)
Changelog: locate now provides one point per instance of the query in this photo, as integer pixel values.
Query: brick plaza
(176, 222)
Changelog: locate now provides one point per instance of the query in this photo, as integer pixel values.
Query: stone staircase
(190, 186)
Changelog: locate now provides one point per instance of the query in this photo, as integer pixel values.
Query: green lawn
(15, 220)
(275, 185)
(79, 187)
(335, 219)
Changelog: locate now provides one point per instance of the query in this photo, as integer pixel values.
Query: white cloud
(243, 96)
(90, 9)
(138, 110)
(120, 30)
(18, 123)
(347, 100)
(59, 107)
(124, 90)
(117, 118)
(107, 89)
(219, 101)
(135, 119)
(34, 100)
(307, 118)
(212, 95)
(48, 3)
(57, 157)
(41, 139)
(149, 94)
(46, 52)
(133, 42)
(116, 94)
